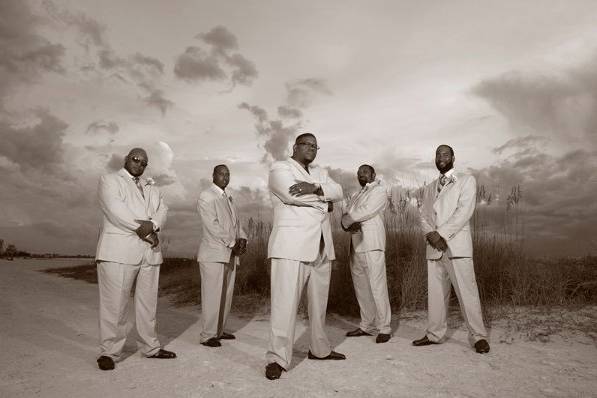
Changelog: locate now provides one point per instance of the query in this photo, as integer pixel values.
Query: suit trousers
(461, 273)
(212, 305)
(369, 278)
(115, 282)
(288, 278)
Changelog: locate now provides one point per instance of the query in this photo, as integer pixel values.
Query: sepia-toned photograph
(278, 198)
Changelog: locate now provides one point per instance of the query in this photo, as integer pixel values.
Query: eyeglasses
(137, 159)
(312, 146)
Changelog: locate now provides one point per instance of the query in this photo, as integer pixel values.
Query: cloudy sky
(511, 85)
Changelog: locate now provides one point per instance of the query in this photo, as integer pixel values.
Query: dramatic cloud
(38, 146)
(24, 53)
(301, 92)
(217, 64)
(102, 126)
(138, 70)
(562, 106)
(279, 136)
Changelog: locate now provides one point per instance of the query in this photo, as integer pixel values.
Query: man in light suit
(362, 216)
(128, 251)
(222, 242)
(301, 251)
(448, 204)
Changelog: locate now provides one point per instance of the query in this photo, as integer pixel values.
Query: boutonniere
(452, 179)
(149, 181)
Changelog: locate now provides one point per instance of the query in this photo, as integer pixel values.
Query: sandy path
(48, 343)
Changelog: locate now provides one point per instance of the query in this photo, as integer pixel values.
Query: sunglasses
(137, 159)
(312, 146)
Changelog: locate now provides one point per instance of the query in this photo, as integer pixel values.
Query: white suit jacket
(300, 221)
(121, 204)
(221, 226)
(367, 207)
(449, 213)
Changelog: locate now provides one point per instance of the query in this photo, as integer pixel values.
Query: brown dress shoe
(105, 363)
(423, 341)
(383, 338)
(212, 342)
(163, 354)
(273, 371)
(332, 355)
(227, 336)
(357, 333)
(482, 346)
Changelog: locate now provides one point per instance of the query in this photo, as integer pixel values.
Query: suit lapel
(308, 177)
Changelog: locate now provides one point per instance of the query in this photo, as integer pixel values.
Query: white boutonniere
(452, 179)
(149, 181)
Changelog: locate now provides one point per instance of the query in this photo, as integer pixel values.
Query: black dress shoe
(227, 336)
(105, 363)
(212, 342)
(482, 346)
(383, 338)
(357, 333)
(423, 341)
(163, 354)
(273, 371)
(333, 355)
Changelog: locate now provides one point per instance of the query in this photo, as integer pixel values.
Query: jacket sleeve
(332, 191)
(280, 181)
(209, 218)
(375, 203)
(464, 210)
(159, 218)
(426, 226)
(112, 204)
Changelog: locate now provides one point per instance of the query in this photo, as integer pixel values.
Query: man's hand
(355, 227)
(152, 239)
(144, 229)
(436, 241)
(304, 188)
(240, 247)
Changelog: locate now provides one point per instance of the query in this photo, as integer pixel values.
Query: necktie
(442, 181)
(138, 184)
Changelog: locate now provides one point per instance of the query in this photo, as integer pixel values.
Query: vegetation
(506, 276)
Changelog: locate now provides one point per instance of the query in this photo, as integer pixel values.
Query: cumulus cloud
(562, 106)
(25, 55)
(278, 133)
(141, 71)
(102, 126)
(218, 63)
(37, 146)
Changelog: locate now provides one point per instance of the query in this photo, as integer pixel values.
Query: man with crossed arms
(448, 205)
(301, 251)
(222, 242)
(128, 251)
(363, 218)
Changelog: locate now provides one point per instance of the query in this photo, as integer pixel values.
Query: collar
(450, 174)
(309, 167)
(371, 184)
(126, 173)
(218, 189)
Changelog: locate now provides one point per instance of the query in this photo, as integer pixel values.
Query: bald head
(136, 161)
(444, 158)
(365, 174)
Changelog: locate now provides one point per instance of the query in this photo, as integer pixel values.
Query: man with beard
(128, 252)
(222, 242)
(301, 251)
(448, 204)
(363, 218)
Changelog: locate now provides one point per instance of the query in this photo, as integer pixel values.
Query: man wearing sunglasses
(301, 252)
(128, 252)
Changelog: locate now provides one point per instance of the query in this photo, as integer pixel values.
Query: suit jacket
(221, 226)
(121, 204)
(367, 207)
(300, 221)
(449, 213)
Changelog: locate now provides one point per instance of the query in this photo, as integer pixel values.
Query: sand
(48, 343)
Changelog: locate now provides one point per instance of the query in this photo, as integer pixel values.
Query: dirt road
(48, 346)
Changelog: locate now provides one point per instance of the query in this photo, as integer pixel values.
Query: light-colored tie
(139, 186)
(442, 182)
